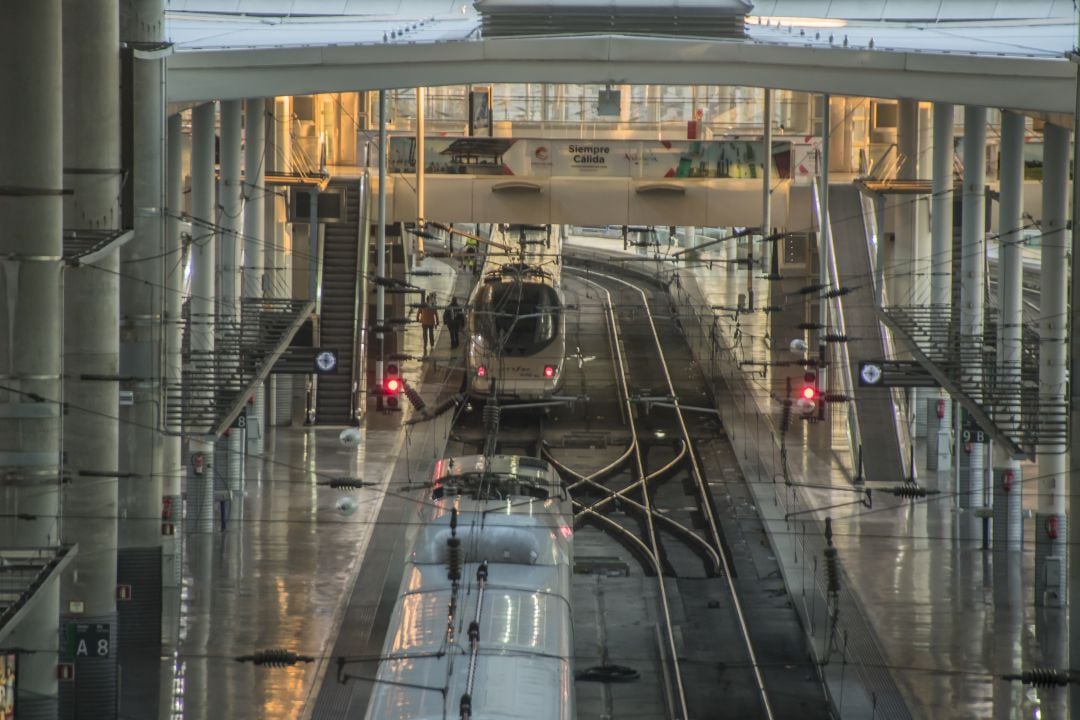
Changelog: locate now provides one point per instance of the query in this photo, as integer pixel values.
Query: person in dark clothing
(454, 319)
(429, 320)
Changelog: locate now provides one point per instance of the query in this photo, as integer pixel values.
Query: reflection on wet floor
(271, 580)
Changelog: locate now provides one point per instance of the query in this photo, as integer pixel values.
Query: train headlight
(549, 371)
(481, 371)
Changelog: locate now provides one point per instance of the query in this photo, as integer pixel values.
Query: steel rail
(610, 467)
(682, 530)
(679, 690)
(622, 493)
(707, 508)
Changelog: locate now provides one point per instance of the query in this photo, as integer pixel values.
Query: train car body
(496, 641)
(517, 320)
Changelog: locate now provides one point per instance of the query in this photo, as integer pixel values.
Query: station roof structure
(985, 52)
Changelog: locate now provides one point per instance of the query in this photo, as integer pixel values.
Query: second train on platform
(516, 345)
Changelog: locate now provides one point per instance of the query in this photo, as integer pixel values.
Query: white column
(30, 318)
(921, 265)
(278, 251)
(1008, 523)
(231, 245)
(941, 252)
(923, 240)
(254, 240)
(229, 290)
(1050, 520)
(254, 196)
(91, 30)
(142, 294)
(201, 307)
(899, 277)
(942, 210)
(973, 279)
(172, 463)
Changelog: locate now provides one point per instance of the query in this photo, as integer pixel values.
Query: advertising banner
(638, 159)
(480, 111)
(9, 661)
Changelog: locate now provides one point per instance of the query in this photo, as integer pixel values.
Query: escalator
(883, 459)
(339, 307)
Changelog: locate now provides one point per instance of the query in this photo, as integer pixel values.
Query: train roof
(524, 646)
(525, 532)
(496, 476)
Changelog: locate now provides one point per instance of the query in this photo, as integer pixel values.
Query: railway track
(636, 496)
(656, 585)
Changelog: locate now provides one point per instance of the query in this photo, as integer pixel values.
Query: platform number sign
(973, 435)
(88, 640)
(970, 430)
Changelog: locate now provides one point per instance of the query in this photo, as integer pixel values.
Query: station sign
(88, 640)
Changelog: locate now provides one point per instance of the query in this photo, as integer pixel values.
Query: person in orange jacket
(429, 320)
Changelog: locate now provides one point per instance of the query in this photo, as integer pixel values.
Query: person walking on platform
(429, 320)
(454, 319)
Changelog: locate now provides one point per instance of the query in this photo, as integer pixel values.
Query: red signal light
(481, 371)
(392, 386)
(809, 393)
(549, 371)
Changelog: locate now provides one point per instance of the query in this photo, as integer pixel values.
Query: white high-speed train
(517, 321)
(482, 627)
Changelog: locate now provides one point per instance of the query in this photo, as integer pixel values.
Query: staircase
(215, 386)
(335, 400)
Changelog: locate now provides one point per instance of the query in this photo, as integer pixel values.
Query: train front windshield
(517, 318)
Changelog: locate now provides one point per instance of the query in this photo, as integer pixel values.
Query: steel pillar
(31, 143)
(420, 163)
(766, 196)
(1050, 520)
(380, 245)
(203, 295)
(91, 343)
(1010, 324)
(825, 229)
(973, 279)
